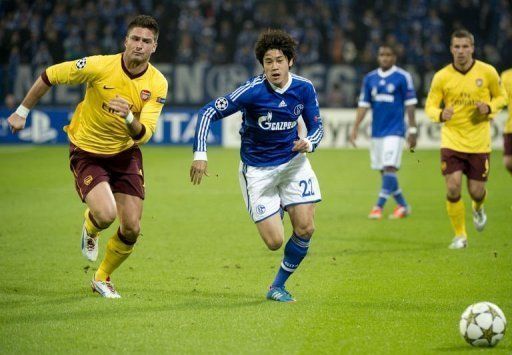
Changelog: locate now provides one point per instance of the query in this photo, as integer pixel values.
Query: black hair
(275, 39)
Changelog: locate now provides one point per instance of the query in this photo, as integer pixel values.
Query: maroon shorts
(474, 165)
(507, 144)
(123, 171)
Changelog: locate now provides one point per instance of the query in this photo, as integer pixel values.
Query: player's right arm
(71, 72)
(362, 107)
(18, 118)
(360, 114)
(434, 99)
(213, 111)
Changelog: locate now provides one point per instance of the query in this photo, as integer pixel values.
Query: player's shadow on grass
(467, 348)
(216, 299)
(378, 245)
(176, 301)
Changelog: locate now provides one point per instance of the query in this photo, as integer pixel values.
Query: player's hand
(120, 106)
(483, 108)
(16, 122)
(411, 139)
(353, 137)
(197, 170)
(447, 114)
(300, 145)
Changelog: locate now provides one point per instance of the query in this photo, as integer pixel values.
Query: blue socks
(390, 187)
(294, 251)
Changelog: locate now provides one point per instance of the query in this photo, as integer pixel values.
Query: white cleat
(458, 243)
(479, 219)
(105, 288)
(89, 245)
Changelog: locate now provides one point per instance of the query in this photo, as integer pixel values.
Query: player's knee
(305, 231)
(453, 192)
(508, 164)
(131, 231)
(105, 217)
(477, 194)
(274, 244)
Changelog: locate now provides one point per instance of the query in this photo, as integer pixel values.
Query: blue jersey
(387, 93)
(269, 119)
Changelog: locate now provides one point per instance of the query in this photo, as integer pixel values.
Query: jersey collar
(386, 73)
(464, 72)
(130, 75)
(284, 88)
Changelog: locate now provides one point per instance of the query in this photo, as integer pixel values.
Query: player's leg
(478, 194)
(91, 182)
(376, 155)
(392, 149)
(99, 215)
(302, 219)
(478, 172)
(453, 165)
(261, 197)
(507, 161)
(127, 183)
(299, 192)
(507, 151)
(456, 209)
(120, 245)
(271, 231)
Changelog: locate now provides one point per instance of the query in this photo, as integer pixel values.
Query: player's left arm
(410, 108)
(313, 122)
(141, 129)
(498, 96)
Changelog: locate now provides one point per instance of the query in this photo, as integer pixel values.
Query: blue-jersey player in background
(274, 173)
(387, 90)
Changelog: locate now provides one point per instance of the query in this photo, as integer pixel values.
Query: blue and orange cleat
(400, 212)
(376, 213)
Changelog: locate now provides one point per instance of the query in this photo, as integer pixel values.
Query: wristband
(129, 118)
(412, 130)
(22, 111)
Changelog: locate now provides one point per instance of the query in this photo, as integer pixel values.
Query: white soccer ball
(483, 324)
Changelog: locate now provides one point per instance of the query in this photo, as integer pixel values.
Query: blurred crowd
(43, 32)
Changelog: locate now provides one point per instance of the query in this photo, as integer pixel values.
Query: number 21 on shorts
(307, 188)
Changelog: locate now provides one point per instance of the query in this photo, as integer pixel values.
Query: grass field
(197, 279)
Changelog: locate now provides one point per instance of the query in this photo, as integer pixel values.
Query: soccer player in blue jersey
(387, 90)
(274, 173)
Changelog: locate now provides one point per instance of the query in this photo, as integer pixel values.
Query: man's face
(386, 58)
(462, 50)
(139, 45)
(276, 67)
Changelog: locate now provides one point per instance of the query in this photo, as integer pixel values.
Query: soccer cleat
(376, 213)
(400, 212)
(458, 243)
(89, 245)
(279, 294)
(479, 219)
(104, 288)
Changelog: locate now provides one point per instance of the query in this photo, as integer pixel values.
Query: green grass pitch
(196, 282)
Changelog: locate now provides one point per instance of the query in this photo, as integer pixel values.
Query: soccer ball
(483, 324)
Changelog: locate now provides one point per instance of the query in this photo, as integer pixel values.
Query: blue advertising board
(45, 126)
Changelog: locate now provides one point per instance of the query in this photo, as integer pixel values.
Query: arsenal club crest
(145, 95)
(479, 82)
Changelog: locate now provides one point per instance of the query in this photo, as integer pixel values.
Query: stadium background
(206, 49)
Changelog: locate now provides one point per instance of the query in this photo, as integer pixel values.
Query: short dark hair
(390, 46)
(275, 39)
(462, 33)
(144, 21)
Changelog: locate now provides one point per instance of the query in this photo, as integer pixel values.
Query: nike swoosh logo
(108, 87)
